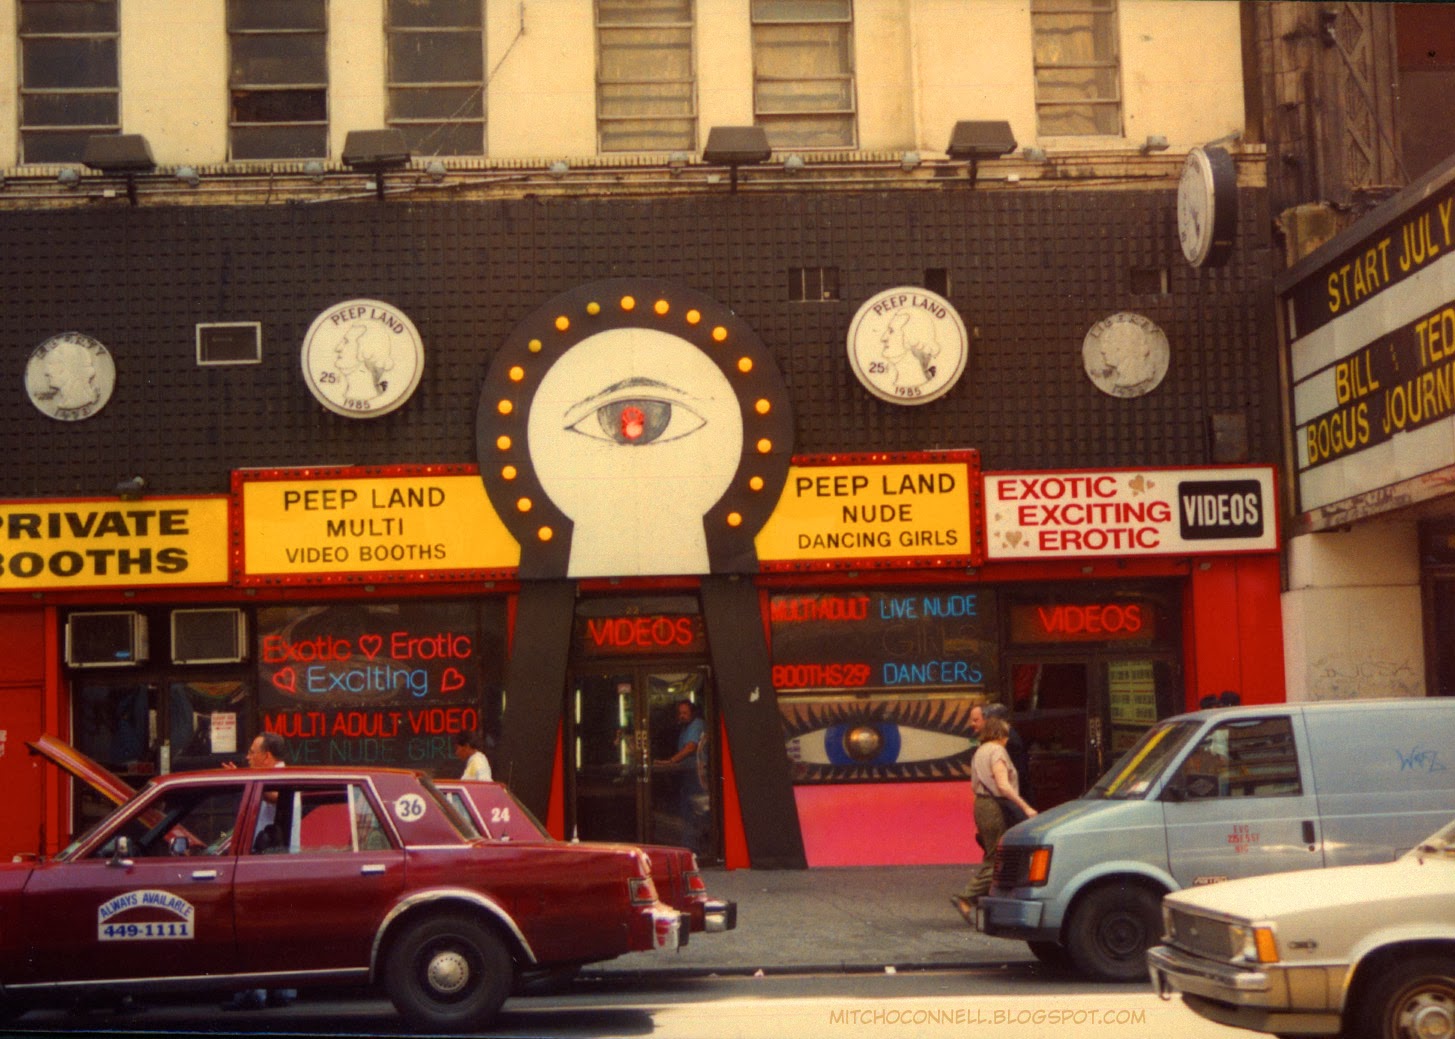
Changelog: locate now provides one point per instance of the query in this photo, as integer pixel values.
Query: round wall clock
(1207, 206)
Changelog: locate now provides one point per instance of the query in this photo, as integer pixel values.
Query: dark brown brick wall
(1030, 271)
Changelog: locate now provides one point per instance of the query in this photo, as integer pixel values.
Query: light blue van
(1213, 795)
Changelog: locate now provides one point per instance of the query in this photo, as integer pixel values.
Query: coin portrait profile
(70, 376)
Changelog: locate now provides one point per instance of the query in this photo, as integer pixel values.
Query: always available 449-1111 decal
(362, 358)
(175, 913)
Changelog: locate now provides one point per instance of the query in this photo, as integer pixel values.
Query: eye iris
(633, 422)
(863, 742)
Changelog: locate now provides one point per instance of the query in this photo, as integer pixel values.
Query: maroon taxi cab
(496, 814)
(311, 877)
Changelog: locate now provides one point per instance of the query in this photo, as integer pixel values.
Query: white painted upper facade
(918, 67)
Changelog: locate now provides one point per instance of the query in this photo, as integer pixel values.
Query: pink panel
(899, 824)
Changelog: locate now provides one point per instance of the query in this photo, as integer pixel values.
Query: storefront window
(878, 684)
(388, 684)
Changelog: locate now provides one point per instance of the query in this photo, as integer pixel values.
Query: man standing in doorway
(266, 751)
(692, 795)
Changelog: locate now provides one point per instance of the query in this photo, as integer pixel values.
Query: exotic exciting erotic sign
(377, 684)
(1130, 512)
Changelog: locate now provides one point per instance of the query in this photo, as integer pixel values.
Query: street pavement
(857, 918)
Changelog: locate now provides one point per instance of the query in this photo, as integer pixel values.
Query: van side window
(1254, 758)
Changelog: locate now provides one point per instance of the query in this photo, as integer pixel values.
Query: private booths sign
(374, 684)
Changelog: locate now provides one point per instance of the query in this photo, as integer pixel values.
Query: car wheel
(1052, 954)
(447, 973)
(1111, 930)
(1412, 999)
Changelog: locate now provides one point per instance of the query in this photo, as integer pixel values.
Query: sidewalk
(846, 919)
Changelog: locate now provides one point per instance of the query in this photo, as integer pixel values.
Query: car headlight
(1255, 943)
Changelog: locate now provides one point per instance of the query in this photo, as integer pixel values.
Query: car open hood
(97, 777)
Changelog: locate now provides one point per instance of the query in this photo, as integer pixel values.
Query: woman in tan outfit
(991, 775)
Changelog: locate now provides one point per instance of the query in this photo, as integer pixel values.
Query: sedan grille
(1200, 935)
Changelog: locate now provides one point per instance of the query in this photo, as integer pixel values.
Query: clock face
(1207, 201)
(1195, 202)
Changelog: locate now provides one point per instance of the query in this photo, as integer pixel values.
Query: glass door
(1077, 716)
(625, 727)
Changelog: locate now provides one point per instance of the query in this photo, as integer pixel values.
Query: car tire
(1405, 992)
(1111, 930)
(1052, 954)
(447, 973)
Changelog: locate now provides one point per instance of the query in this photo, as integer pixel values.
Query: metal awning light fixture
(976, 139)
(734, 146)
(376, 152)
(120, 154)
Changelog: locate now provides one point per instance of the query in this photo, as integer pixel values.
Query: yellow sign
(868, 512)
(106, 544)
(372, 525)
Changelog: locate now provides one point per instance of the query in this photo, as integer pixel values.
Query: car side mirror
(1175, 791)
(121, 853)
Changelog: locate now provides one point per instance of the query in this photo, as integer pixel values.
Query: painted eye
(638, 421)
(834, 741)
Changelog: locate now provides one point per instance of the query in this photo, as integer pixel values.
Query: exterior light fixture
(793, 164)
(68, 178)
(436, 171)
(909, 161)
(376, 152)
(132, 488)
(1155, 142)
(676, 162)
(1033, 154)
(559, 168)
(734, 146)
(120, 154)
(188, 175)
(976, 139)
(314, 169)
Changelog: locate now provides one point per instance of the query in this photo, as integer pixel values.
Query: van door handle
(204, 874)
(373, 868)
(1309, 837)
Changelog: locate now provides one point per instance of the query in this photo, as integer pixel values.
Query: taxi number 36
(137, 932)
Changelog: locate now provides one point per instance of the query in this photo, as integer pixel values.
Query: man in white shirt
(477, 765)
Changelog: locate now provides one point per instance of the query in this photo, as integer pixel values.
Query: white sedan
(1362, 951)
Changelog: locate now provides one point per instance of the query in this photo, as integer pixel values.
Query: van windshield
(1135, 772)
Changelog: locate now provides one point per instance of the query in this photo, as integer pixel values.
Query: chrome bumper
(1242, 997)
(720, 915)
(669, 928)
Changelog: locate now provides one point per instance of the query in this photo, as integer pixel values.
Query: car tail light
(695, 884)
(643, 891)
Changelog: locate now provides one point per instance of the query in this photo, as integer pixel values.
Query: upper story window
(1078, 68)
(278, 79)
(68, 77)
(437, 75)
(646, 97)
(803, 72)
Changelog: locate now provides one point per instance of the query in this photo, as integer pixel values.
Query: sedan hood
(1282, 894)
(97, 777)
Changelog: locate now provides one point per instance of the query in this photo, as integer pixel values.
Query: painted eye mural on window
(838, 740)
(633, 427)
